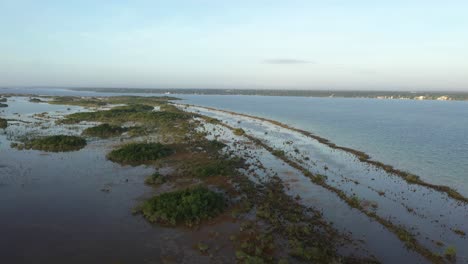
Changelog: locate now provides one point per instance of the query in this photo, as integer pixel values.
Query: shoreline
(362, 156)
(247, 148)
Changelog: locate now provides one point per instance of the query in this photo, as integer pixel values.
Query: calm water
(428, 138)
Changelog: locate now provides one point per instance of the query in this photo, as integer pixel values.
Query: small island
(104, 131)
(58, 143)
(139, 153)
(189, 206)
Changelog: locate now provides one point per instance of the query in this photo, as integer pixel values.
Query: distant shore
(400, 95)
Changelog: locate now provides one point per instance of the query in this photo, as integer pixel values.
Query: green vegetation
(104, 131)
(213, 168)
(3, 123)
(450, 253)
(3, 105)
(459, 232)
(239, 132)
(189, 206)
(138, 153)
(59, 143)
(35, 100)
(130, 113)
(78, 101)
(3, 100)
(155, 179)
(96, 102)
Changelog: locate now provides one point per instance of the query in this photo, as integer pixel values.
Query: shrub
(137, 153)
(213, 168)
(189, 206)
(104, 131)
(155, 179)
(450, 252)
(59, 143)
(3, 105)
(3, 123)
(239, 132)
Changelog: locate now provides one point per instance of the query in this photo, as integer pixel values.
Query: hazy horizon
(300, 45)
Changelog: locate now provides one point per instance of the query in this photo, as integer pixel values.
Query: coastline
(246, 138)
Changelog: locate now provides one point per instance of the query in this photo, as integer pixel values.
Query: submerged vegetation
(155, 179)
(3, 123)
(139, 153)
(189, 206)
(104, 131)
(207, 178)
(58, 143)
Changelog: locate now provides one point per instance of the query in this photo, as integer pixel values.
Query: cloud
(286, 61)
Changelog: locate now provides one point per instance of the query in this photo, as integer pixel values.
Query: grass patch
(59, 143)
(3, 123)
(189, 206)
(138, 153)
(450, 253)
(238, 131)
(213, 168)
(104, 131)
(155, 179)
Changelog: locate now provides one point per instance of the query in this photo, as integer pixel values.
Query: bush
(188, 206)
(3, 123)
(138, 153)
(3, 105)
(104, 131)
(59, 143)
(214, 168)
(450, 253)
(155, 179)
(239, 132)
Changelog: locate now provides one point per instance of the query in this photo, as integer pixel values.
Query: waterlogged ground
(76, 207)
(432, 217)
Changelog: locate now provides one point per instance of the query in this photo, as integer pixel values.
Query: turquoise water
(428, 138)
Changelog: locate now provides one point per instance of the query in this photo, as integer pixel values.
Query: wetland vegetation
(208, 183)
(3, 123)
(104, 131)
(139, 153)
(57, 143)
(189, 206)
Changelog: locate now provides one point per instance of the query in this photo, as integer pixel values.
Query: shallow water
(429, 215)
(427, 138)
(76, 207)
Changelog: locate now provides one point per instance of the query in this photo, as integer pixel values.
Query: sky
(344, 45)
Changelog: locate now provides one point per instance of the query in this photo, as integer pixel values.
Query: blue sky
(377, 45)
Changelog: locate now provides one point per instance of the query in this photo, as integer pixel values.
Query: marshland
(135, 179)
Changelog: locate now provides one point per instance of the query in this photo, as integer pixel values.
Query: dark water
(53, 208)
